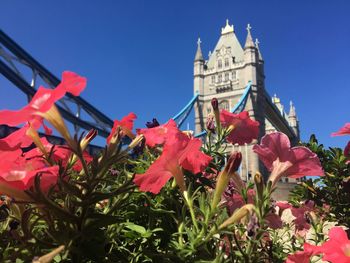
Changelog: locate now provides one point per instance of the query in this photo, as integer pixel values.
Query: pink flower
(282, 160)
(300, 257)
(18, 171)
(345, 130)
(273, 220)
(60, 153)
(245, 129)
(179, 152)
(44, 99)
(299, 213)
(336, 249)
(126, 125)
(235, 201)
(158, 135)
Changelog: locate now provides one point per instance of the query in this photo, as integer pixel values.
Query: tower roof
(249, 40)
(292, 112)
(199, 55)
(228, 44)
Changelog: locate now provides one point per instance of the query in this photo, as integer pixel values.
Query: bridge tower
(224, 75)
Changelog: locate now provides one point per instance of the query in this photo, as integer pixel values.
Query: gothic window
(226, 76)
(224, 105)
(220, 78)
(233, 59)
(213, 79)
(234, 75)
(219, 64)
(227, 62)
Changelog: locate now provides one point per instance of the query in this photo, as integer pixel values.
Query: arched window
(227, 76)
(219, 64)
(227, 63)
(220, 78)
(213, 79)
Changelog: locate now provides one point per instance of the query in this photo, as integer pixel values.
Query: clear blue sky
(138, 55)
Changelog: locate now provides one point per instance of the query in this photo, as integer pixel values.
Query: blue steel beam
(23, 85)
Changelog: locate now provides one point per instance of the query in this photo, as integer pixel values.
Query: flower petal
(245, 129)
(345, 130)
(305, 163)
(158, 135)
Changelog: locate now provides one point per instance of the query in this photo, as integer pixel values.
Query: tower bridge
(231, 73)
(224, 75)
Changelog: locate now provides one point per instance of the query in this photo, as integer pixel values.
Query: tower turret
(261, 60)
(250, 58)
(293, 120)
(198, 69)
(249, 43)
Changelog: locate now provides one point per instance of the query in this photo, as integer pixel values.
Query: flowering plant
(163, 197)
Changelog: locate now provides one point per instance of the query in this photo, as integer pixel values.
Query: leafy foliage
(332, 191)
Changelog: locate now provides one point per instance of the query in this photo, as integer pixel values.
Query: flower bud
(49, 256)
(230, 128)
(215, 104)
(136, 141)
(233, 162)
(88, 138)
(259, 184)
(210, 123)
(152, 124)
(139, 148)
(229, 171)
(237, 215)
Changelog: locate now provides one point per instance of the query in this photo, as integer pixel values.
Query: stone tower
(224, 75)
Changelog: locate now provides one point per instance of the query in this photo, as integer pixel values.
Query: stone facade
(224, 75)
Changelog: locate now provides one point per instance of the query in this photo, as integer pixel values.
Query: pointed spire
(258, 48)
(292, 112)
(199, 55)
(227, 29)
(249, 41)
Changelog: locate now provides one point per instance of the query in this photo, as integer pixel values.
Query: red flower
(345, 130)
(157, 135)
(60, 153)
(245, 129)
(300, 257)
(282, 160)
(179, 151)
(18, 171)
(44, 99)
(336, 249)
(126, 125)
